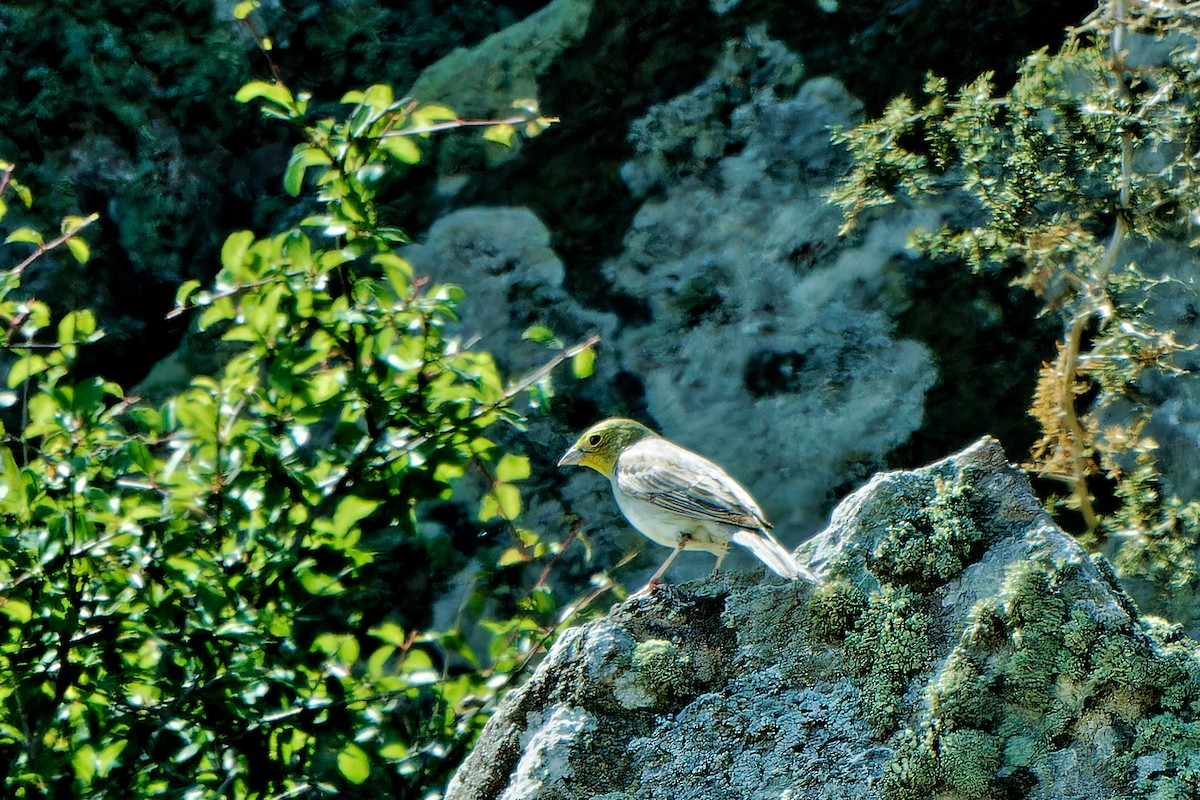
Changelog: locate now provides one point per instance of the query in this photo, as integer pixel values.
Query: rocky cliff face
(959, 646)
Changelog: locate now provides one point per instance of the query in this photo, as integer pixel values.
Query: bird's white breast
(665, 527)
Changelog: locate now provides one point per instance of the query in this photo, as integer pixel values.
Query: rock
(761, 319)
(513, 279)
(484, 81)
(959, 646)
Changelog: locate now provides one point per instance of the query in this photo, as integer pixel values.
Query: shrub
(192, 591)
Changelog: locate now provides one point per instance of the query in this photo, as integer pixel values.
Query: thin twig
(6, 177)
(42, 249)
(453, 124)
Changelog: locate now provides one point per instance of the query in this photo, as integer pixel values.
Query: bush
(192, 590)
(1062, 180)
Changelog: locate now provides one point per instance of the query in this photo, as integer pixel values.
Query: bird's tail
(773, 554)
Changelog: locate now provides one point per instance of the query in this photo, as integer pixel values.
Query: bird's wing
(670, 477)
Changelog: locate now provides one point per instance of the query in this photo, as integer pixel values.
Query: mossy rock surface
(959, 646)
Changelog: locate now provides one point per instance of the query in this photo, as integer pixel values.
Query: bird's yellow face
(601, 444)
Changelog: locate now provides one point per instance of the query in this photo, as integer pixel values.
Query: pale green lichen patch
(660, 673)
(1051, 662)
(888, 645)
(969, 760)
(933, 541)
(834, 609)
(1035, 669)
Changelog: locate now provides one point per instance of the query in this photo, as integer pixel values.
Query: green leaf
(24, 367)
(293, 176)
(426, 115)
(16, 609)
(274, 92)
(354, 764)
(304, 156)
(500, 134)
(343, 646)
(350, 511)
(504, 501)
(389, 632)
(583, 362)
(22, 192)
(84, 761)
(233, 252)
(262, 311)
(394, 751)
(77, 326)
(542, 335)
(401, 148)
(540, 600)
(513, 555)
(417, 666)
(72, 224)
(243, 9)
(79, 249)
(221, 309)
(397, 271)
(378, 96)
(512, 468)
(317, 583)
(25, 235)
(186, 290)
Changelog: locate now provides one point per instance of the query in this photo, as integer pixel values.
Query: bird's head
(601, 444)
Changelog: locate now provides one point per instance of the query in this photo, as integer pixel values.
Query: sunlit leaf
(354, 764)
(511, 556)
(16, 609)
(244, 9)
(542, 335)
(500, 134)
(583, 362)
(402, 148)
(504, 501)
(350, 511)
(233, 252)
(25, 367)
(28, 235)
(430, 114)
(274, 92)
(512, 468)
(79, 249)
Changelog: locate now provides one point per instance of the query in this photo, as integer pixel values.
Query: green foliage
(192, 591)
(1090, 153)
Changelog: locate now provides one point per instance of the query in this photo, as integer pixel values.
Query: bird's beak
(572, 456)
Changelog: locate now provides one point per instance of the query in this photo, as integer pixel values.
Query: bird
(678, 498)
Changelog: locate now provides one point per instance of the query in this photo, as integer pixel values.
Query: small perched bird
(677, 498)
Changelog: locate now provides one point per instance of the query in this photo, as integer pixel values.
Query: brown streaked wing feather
(691, 485)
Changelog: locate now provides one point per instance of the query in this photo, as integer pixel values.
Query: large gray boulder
(959, 646)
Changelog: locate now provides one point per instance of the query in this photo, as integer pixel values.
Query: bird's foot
(647, 589)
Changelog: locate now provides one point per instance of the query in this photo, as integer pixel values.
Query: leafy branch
(1090, 150)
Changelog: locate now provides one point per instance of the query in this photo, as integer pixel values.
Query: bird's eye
(594, 439)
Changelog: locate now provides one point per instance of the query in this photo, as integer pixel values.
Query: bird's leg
(654, 579)
(717, 566)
